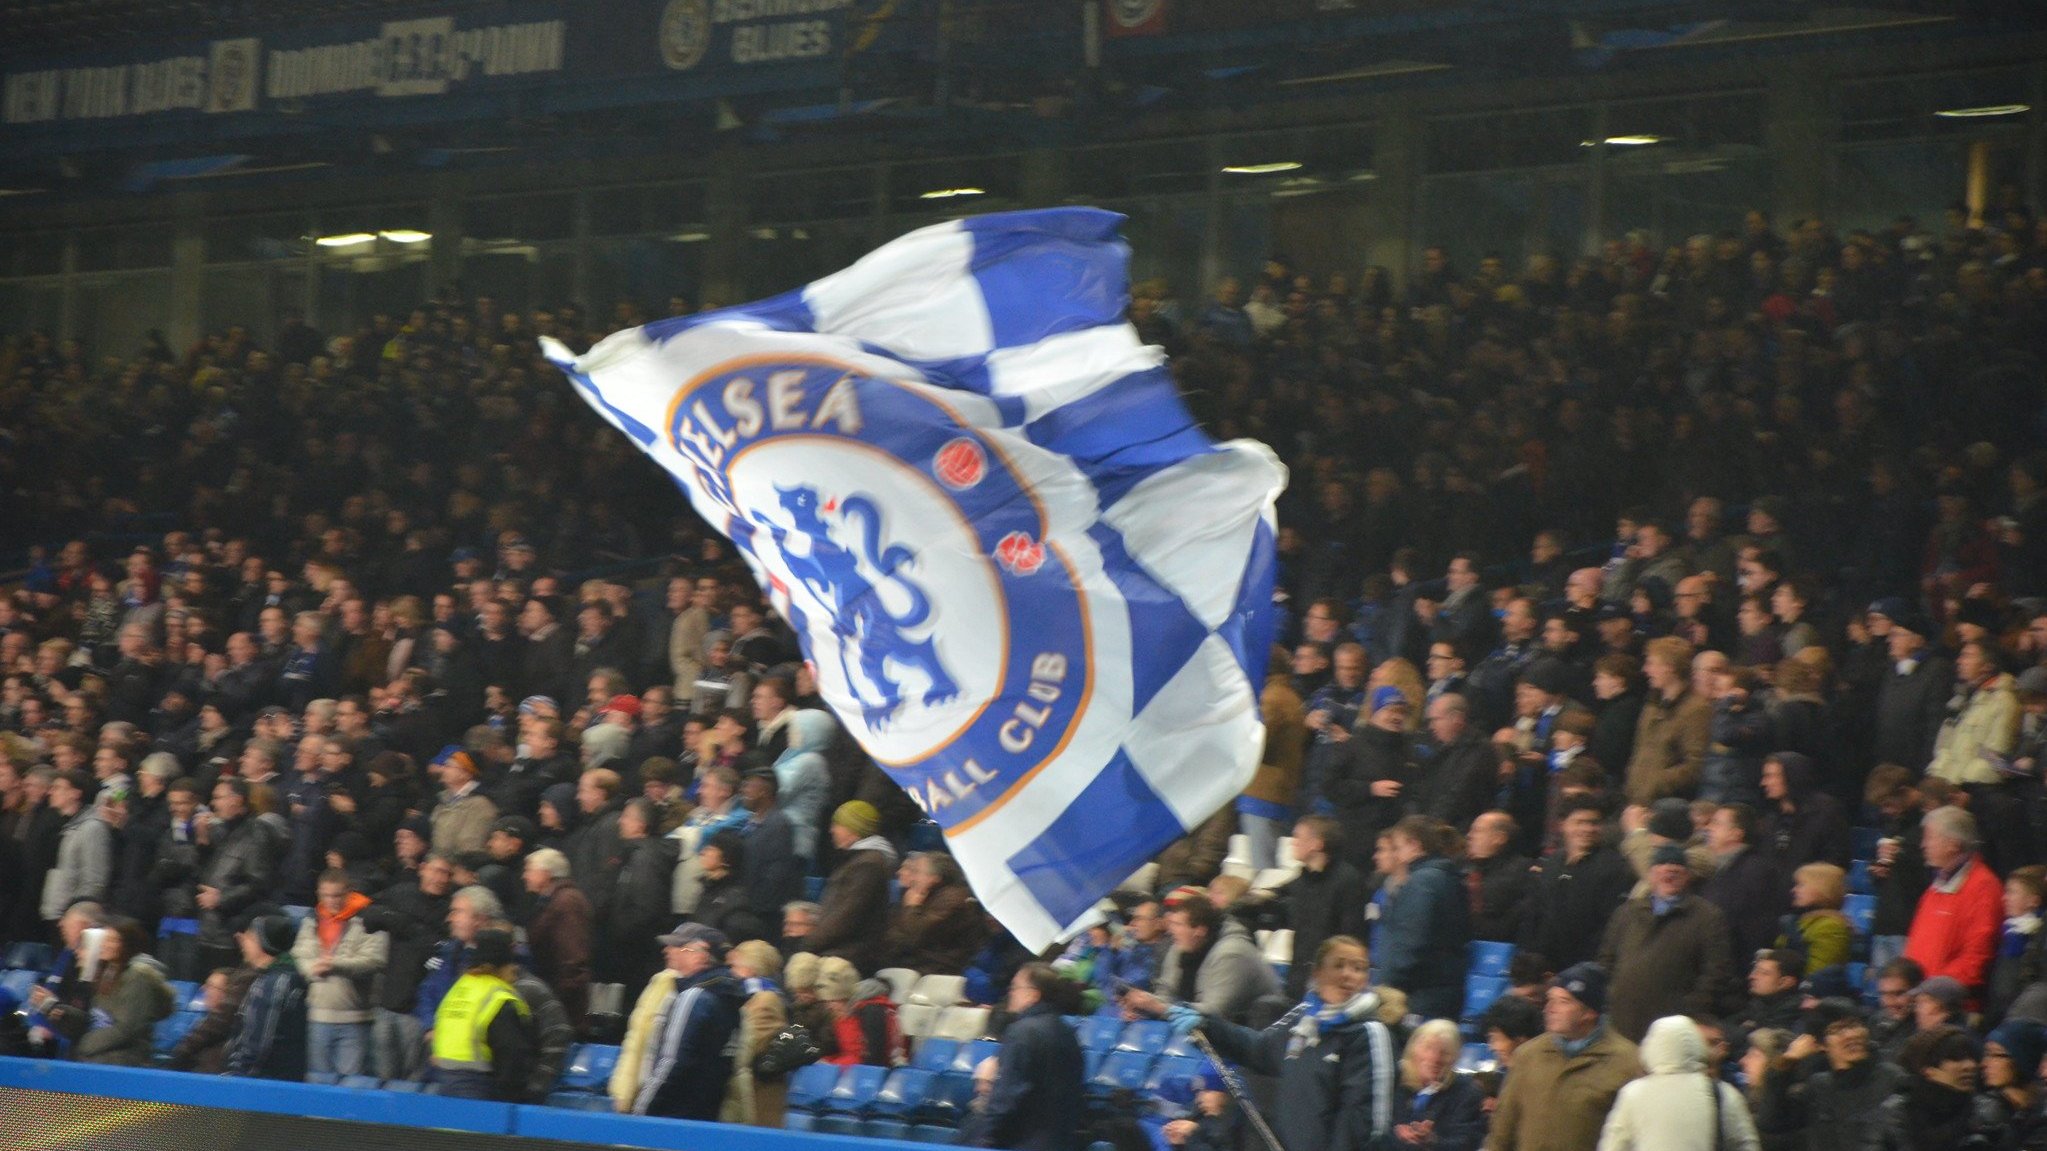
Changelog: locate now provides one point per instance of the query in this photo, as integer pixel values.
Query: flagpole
(1238, 1090)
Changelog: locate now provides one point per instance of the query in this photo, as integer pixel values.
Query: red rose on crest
(1021, 554)
(960, 464)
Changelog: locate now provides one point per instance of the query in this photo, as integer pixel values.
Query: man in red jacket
(1954, 931)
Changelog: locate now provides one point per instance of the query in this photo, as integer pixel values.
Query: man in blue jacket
(270, 1043)
(1425, 930)
(689, 1055)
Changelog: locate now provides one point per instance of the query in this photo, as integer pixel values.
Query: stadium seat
(798, 1121)
(1861, 911)
(903, 1093)
(1479, 993)
(1859, 880)
(19, 983)
(936, 1053)
(362, 1082)
(1100, 1033)
(415, 1087)
(323, 1078)
(1475, 1057)
(588, 1067)
(1182, 1047)
(939, 990)
(855, 1091)
(809, 1085)
(952, 1095)
(1489, 958)
(1119, 1071)
(1148, 1036)
(916, 1019)
(584, 1101)
(886, 1129)
(930, 1133)
(813, 888)
(35, 957)
(836, 1124)
(962, 1023)
(1169, 1073)
(172, 1029)
(165, 928)
(970, 1054)
(1863, 840)
(900, 981)
(185, 995)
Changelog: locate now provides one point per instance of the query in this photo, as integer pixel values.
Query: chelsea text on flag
(1033, 589)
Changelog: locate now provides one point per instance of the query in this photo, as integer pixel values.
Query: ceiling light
(689, 237)
(1984, 110)
(950, 193)
(344, 240)
(1633, 141)
(21, 191)
(406, 236)
(1263, 169)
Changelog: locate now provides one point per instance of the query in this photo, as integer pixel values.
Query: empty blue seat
(835, 1124)
(1100, 1033)
(886, 1129)
(950, 1098)
(1170, 1075)
(30, 957)
(1859, 880)
(186, 995)
(936, 1053)
(930, 1133)
(1861, 911)
(165, 928)
(1479, 993)
(1475, 1057)
(589, 1067)
(808, 1086)
(799, 1121)
(1863, 840)
(855, 1091)
(813, 888)
(1858, 973)
(361, 1082)
(414, 1087)
(1149, 1036)
(904, 1092)
(323, 1078)
(1182, 1047)
(1489, 958)
(172, 1029)
(584, 1101)
(971, 1053)
(1119, 1071)
(20, 983)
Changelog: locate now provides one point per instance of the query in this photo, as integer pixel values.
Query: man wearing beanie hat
(1912, 697)
(1564, 1081)
(855, 902)
(462, 819)
(2011, 1081)
(1667, 950)
(1934, 1111)
(1370, 774)
(270, 1040)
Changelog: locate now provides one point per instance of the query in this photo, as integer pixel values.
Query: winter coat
(1927, 1116)
(1039, 1099)
(1898, 891)
(1910, 709)
(1456, 1109)
(1336, 1081)
(723, 904)
(751, 1100)
(204, 1047)
(595, 852)
(774, 872)
(1670, 747)
(1673, 1107)
(412, 922)
(463, 824)
(1838, 1110)
(346, 994)
(139, 998)
(85, 863)
(1740, 738)
(1815, 830)
(1320, 904)
(639, 893)
(241, 869)
(1558, 1102)
(1371, 754)
(867, 1033)
(687, 1060)
(1573, 901)
(560, 936)
(1982, 732)
(1752, 892)
(1275, 788)
(271, 1041)
(942, 936)
(1955, 930)
(1231, 977)
(1676, 963)
(1612, 742)
(1506, 897)
(1459, 783)
(1424, 935)
(855, 903)
(553, 1034)
(803, 779)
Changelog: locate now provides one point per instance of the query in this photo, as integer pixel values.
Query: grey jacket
(1233, 975)
(85, 863)
(346, 994)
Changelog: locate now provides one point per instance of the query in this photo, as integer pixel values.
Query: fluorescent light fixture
(1263, 169)
(951, 193)
(1637, 140)
(406, 236)
(344, 240)
(21, 191)
(690, 237)
(1983, 111)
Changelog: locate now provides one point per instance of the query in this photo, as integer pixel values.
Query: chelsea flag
(1036, 592)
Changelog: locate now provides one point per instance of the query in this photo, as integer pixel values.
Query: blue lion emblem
(832, 573)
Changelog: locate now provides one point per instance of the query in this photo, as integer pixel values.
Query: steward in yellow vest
(484, 1043)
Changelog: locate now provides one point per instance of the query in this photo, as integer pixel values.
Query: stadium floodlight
(344, 240)
(406, 236)
(951, 193)
(1634, 140)
(1262, 169)
(1983, 111)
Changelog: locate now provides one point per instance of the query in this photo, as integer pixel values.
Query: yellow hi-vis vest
(462, 1025)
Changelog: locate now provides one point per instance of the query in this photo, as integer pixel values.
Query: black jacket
(1039, 1100)
(1613, 733)
(1460, 782)
(1840, 1111)
(689, 1066)
(1370, 755)
(1573, 902)
(1457, 1110)
(416, 923)
(1506, 897)
(1752, 891)
(1909, 712)
(1320, 904)
(1331, 1093)
(774, 872)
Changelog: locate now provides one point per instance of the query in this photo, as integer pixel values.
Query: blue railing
(395, 1109)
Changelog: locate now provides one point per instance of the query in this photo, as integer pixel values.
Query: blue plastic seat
(1859, 879)
(187, 995)
(904, 1092)
(836, 1124)
(1182, 1047)
(855, 1091)
(1489, 958)
(1100, 1033)
(165, 928)
(951, 1096)
(1170, 1075)
(1120, 1071)
(1148, 1036)
(1861, 911)
(936, 1053)
(415, 1087)
(323, 1078)
(35, 957)
(1863, 840)
(971, 1053)
(20, 983)
(931, 1133)
(589, 1067)
(362, 1082)
(808, 1086)
(886, 1129)
(813, 888)
(1479, 993)
(580, 1101)
(799, 1121)
(171, 1029)
(1475, 1057)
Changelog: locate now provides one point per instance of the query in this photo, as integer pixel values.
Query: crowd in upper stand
(1673, 618)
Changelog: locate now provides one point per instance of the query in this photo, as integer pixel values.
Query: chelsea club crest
(873, 512)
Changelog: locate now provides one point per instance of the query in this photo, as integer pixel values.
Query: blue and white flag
(1036, 592)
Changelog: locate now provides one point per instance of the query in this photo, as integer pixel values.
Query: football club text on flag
(1033, 589)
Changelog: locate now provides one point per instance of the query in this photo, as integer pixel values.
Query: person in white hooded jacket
(1672, 1108)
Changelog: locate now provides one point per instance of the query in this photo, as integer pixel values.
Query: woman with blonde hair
(1816, 925)
(1435, 1106)
(1402, 673)
(751, 1099)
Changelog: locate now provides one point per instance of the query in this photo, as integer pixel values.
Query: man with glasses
(685, 1059)
(1838, 1104)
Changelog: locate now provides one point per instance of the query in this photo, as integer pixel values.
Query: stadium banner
(1133, 18)
(506, 47)
(1033, 589)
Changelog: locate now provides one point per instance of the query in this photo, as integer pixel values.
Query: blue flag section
(1036, 592)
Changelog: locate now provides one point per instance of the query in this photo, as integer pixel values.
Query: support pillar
(188, 271)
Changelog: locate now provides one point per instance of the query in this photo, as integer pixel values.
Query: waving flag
(1036, 593)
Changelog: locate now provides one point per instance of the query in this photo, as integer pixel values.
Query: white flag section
(1033, 589)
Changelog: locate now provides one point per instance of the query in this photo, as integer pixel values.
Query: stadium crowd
(1673, 621)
